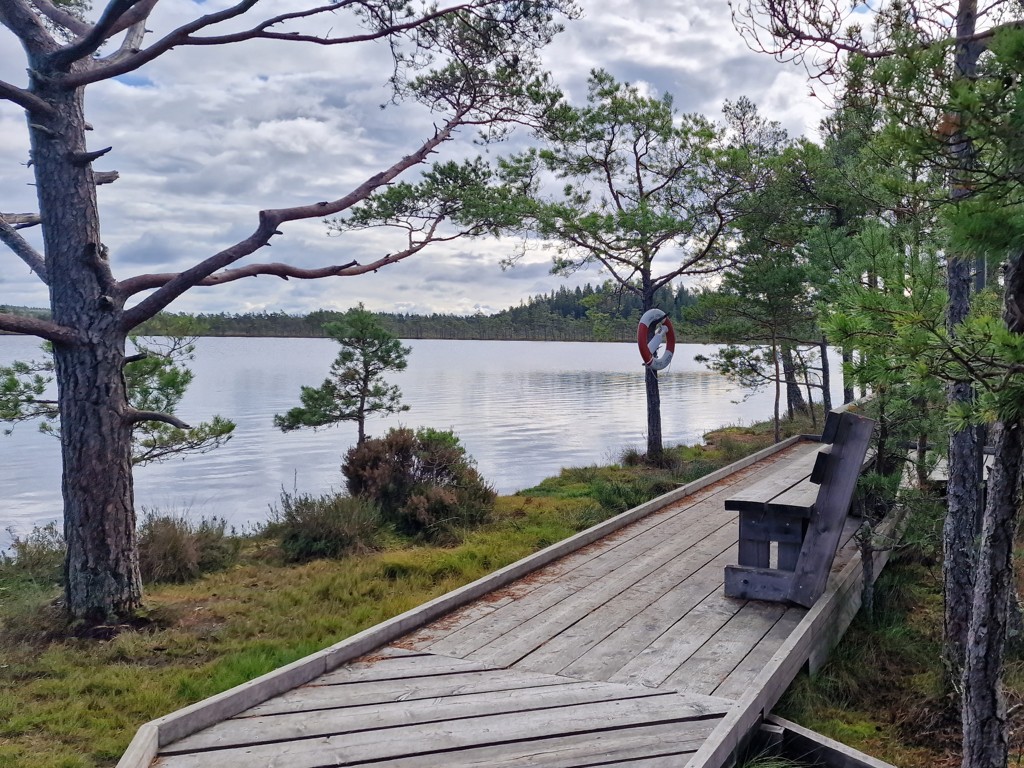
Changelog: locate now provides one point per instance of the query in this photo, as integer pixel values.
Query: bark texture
(101, 566)
(984, 716)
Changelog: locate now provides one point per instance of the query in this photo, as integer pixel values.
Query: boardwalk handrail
(152, 735)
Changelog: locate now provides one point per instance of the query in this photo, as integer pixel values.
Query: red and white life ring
(654, 330)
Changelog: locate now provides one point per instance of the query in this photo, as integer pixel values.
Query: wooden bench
(801, 508)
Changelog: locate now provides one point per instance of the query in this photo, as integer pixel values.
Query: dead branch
(62, 18)
(23, 249)
(111, 21)
(270, 222)
(105, 177)
(139, 283)
(22, 220)
(25, 99)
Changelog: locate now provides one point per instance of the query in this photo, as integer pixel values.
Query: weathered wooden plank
(311, 697)
(639, 560)
(697, 568)
(714, 661)
(245, 731)
(459, 634)
(742, 677)
(807, 745)
(798, 501)
(396, 668)
(657, 661)
(453, 735)
(772, 680)
(532, 634)
(748, 583)
(774, 479)
(853, 434)
(658, 746)
(625, 643)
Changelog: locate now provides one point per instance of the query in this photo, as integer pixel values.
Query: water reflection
(522, 409)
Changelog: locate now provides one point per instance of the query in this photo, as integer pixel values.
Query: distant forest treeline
(566, 314)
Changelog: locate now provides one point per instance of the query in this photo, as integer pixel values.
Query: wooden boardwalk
(621, 651)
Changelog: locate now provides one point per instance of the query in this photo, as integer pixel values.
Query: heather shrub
(37, 556)
(331, 525)
(173, 549)
(423, 482)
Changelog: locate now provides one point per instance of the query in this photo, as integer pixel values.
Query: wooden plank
(774, 479)
(798, 501)
(544, 587)
(657, 746)
(397, 668)
(625, 643)
(773, 679)
(809, 746)
(662, 657)
(766, 527)
(853, 434)
(746, 583)
(243, 731)
(312, 697)
(523, 637)
(436, 738)
(604, 558)
(742, 676)
(714, 661)
(567, 646)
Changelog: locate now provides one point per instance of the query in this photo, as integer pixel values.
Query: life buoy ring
(654, 330)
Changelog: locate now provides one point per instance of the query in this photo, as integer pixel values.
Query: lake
(522, 409)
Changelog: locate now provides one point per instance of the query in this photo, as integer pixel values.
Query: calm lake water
(523, 410)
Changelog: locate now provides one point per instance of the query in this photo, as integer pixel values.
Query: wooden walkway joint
(616, 647)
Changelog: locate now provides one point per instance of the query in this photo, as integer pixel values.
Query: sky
(203, 138)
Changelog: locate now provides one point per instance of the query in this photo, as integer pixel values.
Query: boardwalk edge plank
(820, 627)
(143, 748)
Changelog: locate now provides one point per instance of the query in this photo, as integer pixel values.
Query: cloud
(205, 137)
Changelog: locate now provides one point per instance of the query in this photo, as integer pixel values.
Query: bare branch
(133, 416)
(22, 220)
(105, 177)
(140, 283)
(22, 249)
(24, 99)
(62, 18)
(270, 222)
(21, 18)
(184, 35)
(44, 329)
(111, 22)
(130, 46)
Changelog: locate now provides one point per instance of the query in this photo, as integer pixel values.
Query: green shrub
(37, 557)
(423, 482)
(332, 525)
(172, 549)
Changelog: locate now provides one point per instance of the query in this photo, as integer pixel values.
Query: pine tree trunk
(101, 568)
(984, 717)
(847, 385)
(794, 397)
(985, 725)
(826, 376)
(964, 487)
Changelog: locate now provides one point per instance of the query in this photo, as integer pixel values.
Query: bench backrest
(845, 437)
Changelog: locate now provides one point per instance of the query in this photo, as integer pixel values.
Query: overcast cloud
(205, 137)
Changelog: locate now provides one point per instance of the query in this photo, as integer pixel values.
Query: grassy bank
(73, 702)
